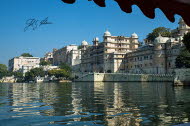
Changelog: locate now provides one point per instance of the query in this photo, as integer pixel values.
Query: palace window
(150, 56)
(169, 64)
(140, 58)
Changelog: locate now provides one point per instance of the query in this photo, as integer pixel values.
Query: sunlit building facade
(157, 57)
(107, 56)
(23, 64)
(70, 55)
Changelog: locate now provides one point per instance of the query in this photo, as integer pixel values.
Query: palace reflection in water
(113, 104)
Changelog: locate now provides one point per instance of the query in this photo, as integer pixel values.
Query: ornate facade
(107, 56)
(123, 54)
(68, 54)
(158, 57)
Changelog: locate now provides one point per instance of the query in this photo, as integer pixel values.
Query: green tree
(166, 32)
(52, 72)
(30, 76)
(186, 41)
(80, 47)
(59, 73)
(44, 63)
(65, 67)
(183, 59)
(26, 55)
(3, 70)
(18, 74)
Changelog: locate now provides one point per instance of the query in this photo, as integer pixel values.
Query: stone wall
(182, 77)
(87, 77)
(121, 77)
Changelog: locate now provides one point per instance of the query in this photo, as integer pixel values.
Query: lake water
(112, 104)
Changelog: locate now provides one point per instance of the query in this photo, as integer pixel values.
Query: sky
(71, 24)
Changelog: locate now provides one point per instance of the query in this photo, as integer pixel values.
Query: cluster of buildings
(24, 64)
(115, 54)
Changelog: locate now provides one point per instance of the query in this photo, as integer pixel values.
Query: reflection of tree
(4, 92)
(61, 102)
(182, 104)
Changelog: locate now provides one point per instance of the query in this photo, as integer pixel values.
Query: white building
(49, 67)
(159, 57)
(107, 56)
(48, 57)
(123, 55)
(23, 64)
(70, 55)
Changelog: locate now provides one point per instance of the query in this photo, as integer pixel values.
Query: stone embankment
(122, 77)
(182, 77)
(11, 79)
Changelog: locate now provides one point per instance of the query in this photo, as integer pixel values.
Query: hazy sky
(72, 24)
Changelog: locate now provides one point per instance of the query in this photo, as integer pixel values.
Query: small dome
(84, 42)
(107, 33)
(181, 20)
(96, 39)
(161, 39)
(134, 35)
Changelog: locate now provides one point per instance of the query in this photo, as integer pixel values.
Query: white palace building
(120, 54)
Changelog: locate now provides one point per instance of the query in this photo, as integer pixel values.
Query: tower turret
(160, 65)
(95, 41)
(135, 40)
(106, 36)
(183, 27)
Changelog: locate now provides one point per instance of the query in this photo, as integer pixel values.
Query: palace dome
(84, 43)
(107, 33)
(161, 39)
(134, 35)
(96, 39)
(181, 20)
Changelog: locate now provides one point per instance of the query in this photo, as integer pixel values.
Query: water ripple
(112, 104)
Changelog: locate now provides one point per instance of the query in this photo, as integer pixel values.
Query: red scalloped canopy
(169, 7)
